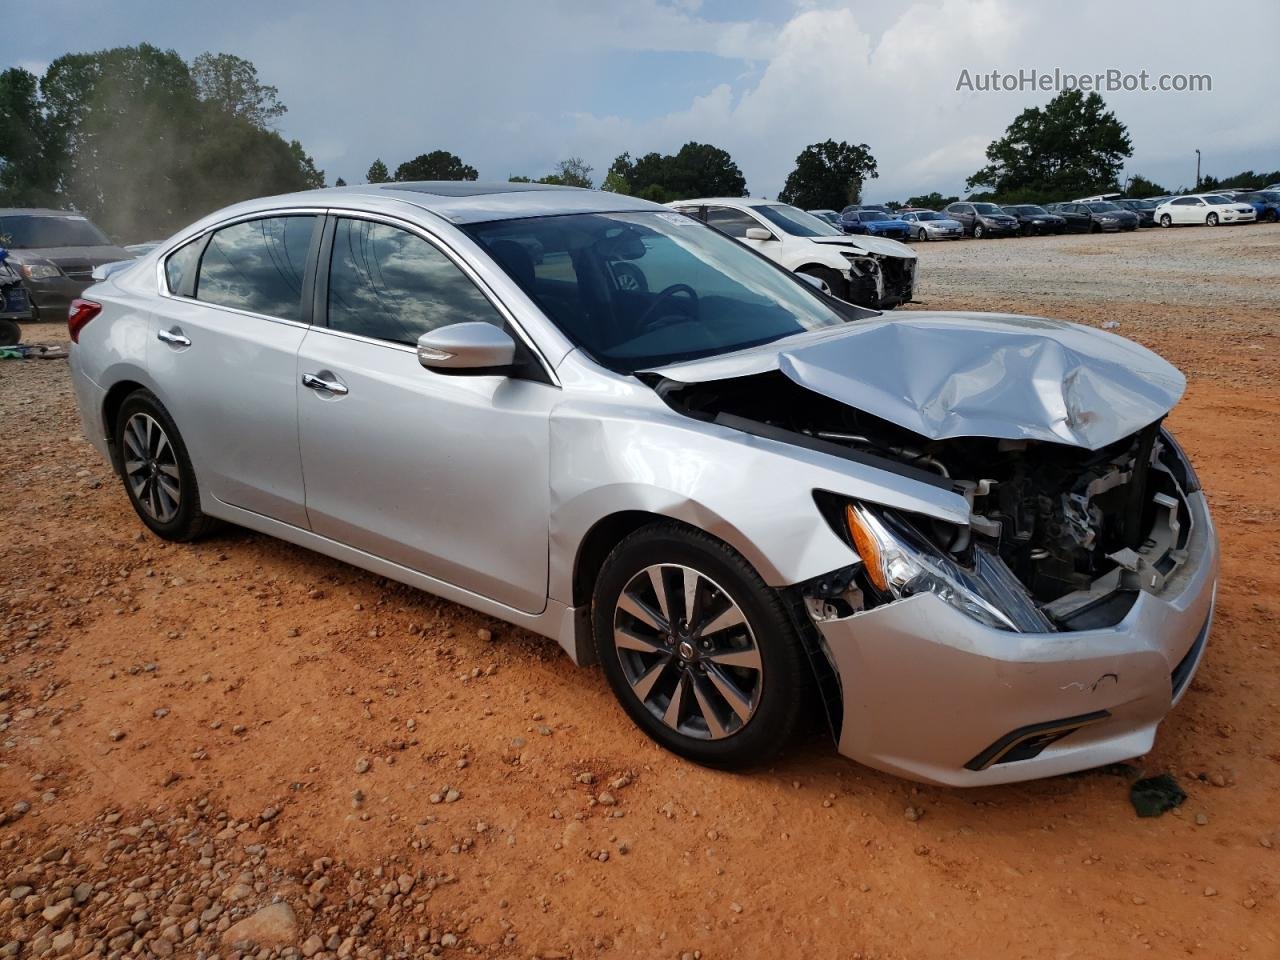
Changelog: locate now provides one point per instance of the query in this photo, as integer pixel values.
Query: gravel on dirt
(237, 826)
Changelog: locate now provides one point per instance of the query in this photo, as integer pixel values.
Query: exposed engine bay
(1081, 530)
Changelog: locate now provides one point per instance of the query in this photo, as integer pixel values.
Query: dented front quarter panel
(615, 447)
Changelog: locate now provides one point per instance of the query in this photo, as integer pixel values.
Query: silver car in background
(931, 225)
(967, 538)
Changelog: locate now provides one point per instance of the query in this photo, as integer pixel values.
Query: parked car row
(1100, 214)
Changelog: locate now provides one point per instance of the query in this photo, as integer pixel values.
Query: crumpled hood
(866, 244)
(945, 375)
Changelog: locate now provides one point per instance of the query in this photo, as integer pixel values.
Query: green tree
(1140, 186)
(339, 182)
(143, 154)
(1245, 179)
(829, 175)
(574, 172)
(930, 201)
(436, 165)
(29, 155)
(231, 83)
(515, 178)
(377, 173)
(695, 170)
(1071, 147)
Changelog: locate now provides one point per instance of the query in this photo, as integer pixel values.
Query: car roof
(729, 202)
(459, 201)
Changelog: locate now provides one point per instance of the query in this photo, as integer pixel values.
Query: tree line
(142, 141)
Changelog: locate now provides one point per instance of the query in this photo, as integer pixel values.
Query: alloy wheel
(1211, 220)
(687, 652)
(151, 468)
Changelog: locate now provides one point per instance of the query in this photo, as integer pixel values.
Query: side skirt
(557, 621)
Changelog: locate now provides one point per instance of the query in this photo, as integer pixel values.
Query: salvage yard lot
(190, 733)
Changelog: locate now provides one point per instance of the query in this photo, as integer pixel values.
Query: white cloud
(832, 74)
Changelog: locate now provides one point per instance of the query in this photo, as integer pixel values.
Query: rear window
(30, 232)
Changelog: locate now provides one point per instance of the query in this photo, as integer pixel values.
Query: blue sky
(514, 86)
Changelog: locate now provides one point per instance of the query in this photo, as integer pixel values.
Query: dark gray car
(55, 251)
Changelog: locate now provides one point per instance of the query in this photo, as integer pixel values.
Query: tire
(10, 333)
(1270, 216)
(1166, 220)
(163, 488)
(979, 231)
(1211, 220)
(759, 660)
(921, 235)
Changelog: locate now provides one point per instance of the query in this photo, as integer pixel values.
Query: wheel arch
(112, 400)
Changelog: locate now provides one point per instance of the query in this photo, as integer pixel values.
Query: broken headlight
(901, 561)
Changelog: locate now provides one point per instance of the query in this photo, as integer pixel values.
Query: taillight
(82, 311)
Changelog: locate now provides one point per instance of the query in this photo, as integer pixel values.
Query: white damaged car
(873, 272)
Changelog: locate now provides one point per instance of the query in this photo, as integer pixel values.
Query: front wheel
(157, 472)
(1211, 220)
(10, 333)
(1166, 220)
(699, 651)
(921, 235)
(979, 231)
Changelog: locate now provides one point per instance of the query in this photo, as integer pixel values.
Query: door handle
(313, 382)
(173, 337)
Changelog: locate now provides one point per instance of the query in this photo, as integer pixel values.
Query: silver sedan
(966, 539)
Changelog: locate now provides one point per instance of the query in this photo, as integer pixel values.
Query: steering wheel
(675, 290)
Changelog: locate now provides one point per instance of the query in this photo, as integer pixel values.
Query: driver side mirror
(471, 347)
(758, 233)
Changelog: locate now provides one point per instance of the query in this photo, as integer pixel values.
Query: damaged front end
(880, 282)
(1058, 538)
(1050, 632)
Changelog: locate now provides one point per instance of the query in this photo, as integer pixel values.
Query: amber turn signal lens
(868, 548)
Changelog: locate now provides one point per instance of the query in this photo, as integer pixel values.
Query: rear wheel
(699, 651)
(1211, 220)
(157, 472)
(10, 333)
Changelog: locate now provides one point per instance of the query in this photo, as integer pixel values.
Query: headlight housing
(39, 271)
(900, 561)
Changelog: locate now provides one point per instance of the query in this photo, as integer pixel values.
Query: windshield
(638, 290)
(34, 232)
(987, 208)
(1030, 209)
(874, 216)
(928, 215)
(796, 222)
(1265, 196)
(1217, 198)
(1101, 206)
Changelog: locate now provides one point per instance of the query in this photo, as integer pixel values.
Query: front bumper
(52, 297)
(932, 695)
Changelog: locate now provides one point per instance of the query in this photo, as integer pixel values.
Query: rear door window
(258, 266)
